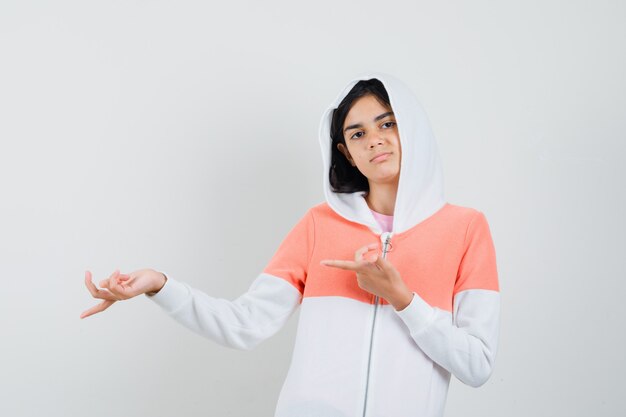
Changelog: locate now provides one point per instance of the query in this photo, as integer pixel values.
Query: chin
(383, 179)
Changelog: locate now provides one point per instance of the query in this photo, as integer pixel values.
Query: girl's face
(370, 130)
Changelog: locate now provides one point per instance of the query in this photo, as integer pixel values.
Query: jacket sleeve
(464, 343)
(257, 314)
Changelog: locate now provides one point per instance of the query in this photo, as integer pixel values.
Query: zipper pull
(385, 238)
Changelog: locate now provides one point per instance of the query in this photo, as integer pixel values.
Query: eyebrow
(377, 118)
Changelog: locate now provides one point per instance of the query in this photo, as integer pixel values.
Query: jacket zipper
(385, 238)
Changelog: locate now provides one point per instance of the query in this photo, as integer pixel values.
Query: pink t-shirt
(385, 221)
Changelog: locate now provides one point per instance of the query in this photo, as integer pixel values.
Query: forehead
(365, 108)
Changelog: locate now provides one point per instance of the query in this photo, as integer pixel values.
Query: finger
(349, 265)
(358, 255)
(380, 262)
(97, 308)
(105, 283)
(95, 292)
(116, 287)
(106, 293)
(124, 280)
(112, 284)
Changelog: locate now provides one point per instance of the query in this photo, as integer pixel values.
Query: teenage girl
(398, 289)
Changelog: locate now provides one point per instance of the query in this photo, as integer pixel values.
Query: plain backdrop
(182, 136)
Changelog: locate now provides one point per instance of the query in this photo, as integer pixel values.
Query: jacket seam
(468, 227)
(465, 244)
(474, 289)
(313, 245)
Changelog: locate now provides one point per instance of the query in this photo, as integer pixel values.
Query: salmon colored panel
(478, 269)
(446, 253)
(291, 259)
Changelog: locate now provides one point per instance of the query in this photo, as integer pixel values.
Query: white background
(182, 136)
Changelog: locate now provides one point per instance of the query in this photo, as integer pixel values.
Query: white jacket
(354, 354)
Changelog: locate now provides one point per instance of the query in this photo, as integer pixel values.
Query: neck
(382, 198)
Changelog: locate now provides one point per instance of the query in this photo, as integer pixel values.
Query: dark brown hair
(345, 178)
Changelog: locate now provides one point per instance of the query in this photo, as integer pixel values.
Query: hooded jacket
(354, 354)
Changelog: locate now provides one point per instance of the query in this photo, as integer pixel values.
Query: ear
(345, 153)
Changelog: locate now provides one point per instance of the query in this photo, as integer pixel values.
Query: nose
(376, 139)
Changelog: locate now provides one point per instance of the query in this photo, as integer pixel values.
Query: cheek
(399, 158)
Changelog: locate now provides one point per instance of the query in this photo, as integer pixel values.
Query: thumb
(381, 262)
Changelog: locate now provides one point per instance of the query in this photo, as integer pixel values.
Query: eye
(384, 124)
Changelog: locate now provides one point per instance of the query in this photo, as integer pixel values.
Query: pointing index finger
(350, 265)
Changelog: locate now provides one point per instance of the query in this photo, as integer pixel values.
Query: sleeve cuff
(172, 296)
(417, 315)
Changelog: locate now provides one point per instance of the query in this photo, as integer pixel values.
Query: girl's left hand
(376, 276)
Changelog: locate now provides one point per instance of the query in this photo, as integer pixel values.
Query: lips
(380, 157)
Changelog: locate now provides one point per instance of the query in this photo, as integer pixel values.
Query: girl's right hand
(122, 287)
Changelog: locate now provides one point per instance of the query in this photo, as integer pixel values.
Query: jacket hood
(420, 186)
